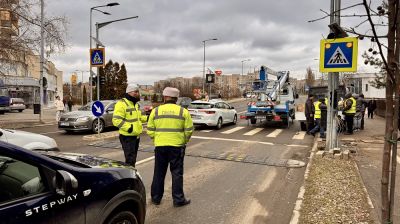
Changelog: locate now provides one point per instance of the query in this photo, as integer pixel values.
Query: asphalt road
(224, 172)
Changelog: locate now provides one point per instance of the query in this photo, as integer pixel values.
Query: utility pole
(333, 80)
(41, 57)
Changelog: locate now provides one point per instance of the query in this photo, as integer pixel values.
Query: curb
(300, 195)
(101, 136)
(26, 125)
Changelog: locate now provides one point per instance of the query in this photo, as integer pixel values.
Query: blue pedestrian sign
(339, 55)
(97, 57)
(97, 108)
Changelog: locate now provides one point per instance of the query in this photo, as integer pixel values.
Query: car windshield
(17, 100)
(88, 107)
(145, 103)
(200, 106)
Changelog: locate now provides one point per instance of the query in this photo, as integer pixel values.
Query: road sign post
(98, 110)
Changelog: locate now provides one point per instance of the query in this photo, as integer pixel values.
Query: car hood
(88, 160)
(77, 113)
(29, 140)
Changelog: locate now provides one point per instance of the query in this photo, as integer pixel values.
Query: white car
(28, 140)
(212, 113)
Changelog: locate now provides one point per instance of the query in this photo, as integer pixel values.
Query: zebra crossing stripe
(230, 131)
(275, 133)
(299, 135)
(206, 131)
(254, 131)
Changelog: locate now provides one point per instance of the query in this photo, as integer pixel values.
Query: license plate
(260, 117)
(64, 124)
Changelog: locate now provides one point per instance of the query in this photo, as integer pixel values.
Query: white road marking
(53, 132)
(299, 135)
(232, 130)
(274, 133)
(145, 160)
(206, 131)
(231, 140)
(254, 131)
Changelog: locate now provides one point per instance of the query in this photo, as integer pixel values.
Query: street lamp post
(81, 83)
(90, 38)
(98, 26)
(204, 60)
(240, 85)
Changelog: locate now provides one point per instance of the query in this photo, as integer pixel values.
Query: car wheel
(253, 121)
(219, 124)
(234, 120)
(20, 111)
(100, 127)
(124, 217)
(1, 112)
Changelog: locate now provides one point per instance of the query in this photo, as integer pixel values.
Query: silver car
(17, 104)
(28, 140)
(84, 120)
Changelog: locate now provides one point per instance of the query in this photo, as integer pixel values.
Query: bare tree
(386, 15)
(25, 18)
(310, 77)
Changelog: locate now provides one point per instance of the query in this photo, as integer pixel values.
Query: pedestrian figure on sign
(170, 126)
(128, 119)
(59, 107)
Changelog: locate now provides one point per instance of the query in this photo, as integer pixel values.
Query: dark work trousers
(310, 123)
(349, 118)
(362, 120)
(173, 156)
(130, 145)
(371, 114)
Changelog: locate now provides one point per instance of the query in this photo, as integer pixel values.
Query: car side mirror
(65, 183)
(231, 108)
(297, 96)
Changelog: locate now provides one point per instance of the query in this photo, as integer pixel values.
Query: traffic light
(94, 81)
(102, 80)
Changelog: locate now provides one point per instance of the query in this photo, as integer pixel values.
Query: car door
(108, 114)
(222, 112)
(23, 193)
(231, 112)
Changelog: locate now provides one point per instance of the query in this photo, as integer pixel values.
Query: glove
(130, 130)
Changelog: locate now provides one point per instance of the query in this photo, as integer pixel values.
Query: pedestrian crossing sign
(338, 55)
(97, 57)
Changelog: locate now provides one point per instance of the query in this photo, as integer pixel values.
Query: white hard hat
(171, 92)
(132, 88)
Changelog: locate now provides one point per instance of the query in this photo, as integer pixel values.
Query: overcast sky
(166, 40)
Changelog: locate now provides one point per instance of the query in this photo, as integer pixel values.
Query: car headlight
(82, 119)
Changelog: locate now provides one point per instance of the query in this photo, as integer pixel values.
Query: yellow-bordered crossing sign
(97, 57)
(338, 55)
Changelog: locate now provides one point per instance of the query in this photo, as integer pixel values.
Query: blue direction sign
(97, 57)
(97, 108)
(339, 55)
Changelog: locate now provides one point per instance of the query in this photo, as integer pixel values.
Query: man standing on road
(128, 118)
(170, 126)
(309, 112)
(371, 108)
(360, 108)
(349, 111)
(320, 121)
(59, 107)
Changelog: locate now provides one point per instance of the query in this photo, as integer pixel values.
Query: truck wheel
(253, 121)
(124, 217)
(20, 111)
(1, 112)
(219, 124)
(95, 124)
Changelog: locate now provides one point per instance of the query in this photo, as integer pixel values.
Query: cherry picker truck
(275, 98)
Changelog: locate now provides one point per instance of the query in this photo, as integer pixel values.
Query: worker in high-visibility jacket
(320, 108)
(170, 126)
(349, 111)
(128, 118)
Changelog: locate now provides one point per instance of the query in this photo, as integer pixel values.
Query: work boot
(183, 203)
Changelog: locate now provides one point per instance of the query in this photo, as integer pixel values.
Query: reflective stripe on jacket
(317, 110)
(352, 109)
(170, 125)
(127, 114)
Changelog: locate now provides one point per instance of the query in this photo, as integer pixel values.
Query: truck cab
(4, 100)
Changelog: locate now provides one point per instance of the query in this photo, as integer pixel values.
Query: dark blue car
(53, 187)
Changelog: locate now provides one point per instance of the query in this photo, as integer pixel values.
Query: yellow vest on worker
(352, 109)
(170, 125)
(127, 114)
(317, 114)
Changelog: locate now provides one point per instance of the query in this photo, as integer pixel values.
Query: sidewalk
(347, 191)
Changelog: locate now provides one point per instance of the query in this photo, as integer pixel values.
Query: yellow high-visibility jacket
(170, 125)
(317, 114)
(127, 114)
(352, 109)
